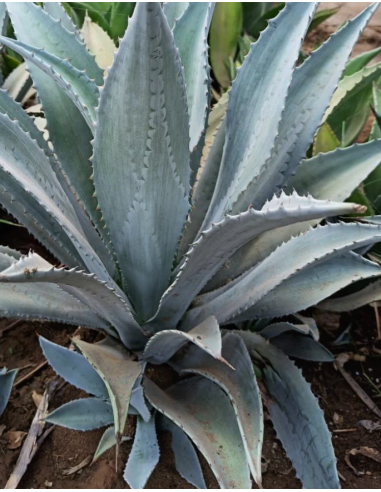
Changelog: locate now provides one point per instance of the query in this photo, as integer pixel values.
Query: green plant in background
(235, 26)
(145, 219)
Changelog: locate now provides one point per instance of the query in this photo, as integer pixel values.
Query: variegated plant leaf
(191, 404)
(241, 387)
(98, 43)
(144, 455)
(147, 209)
(360, 61)
(119, 373)
(73, 368)
(83, 415)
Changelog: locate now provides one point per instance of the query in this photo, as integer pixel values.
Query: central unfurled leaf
(141, 156)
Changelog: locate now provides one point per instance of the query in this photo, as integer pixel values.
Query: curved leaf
(205, 413)
(147, 209)
(312, 285)
(162, 346)
(98, 43)
(311, 90)
(360, 61)
(201, 261)
(56, 10)
(242, 389)
(317, 245)
(370, 293)
(298, 420)
(302, 347)
(173, 11)
(83, 415)
(144, 455)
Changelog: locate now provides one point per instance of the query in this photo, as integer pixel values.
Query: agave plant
(6, 382)
(165, 241)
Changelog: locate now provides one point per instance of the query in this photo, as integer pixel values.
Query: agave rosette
(165, 239)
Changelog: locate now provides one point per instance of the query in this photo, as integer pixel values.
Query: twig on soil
(33, 439)
(378, 324)
(33, 371)
(341, 360)
(343, 431)
(76, 468)
(10, 327)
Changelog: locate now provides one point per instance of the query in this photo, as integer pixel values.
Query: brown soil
(64, 448)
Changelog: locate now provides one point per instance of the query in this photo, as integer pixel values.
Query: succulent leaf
(302, 347)
(202, 262)
(191, 35)
(298, 420)
(250, 135)
(6, 383)
(144, 455)
(75, 83)
(370, 293)
(162, 346)
(191, 404)
(106, 442)
(119, 373)
(73, 368)
(150, 181)
(311, 90)
(241, 387)
(173, 11)
(302, 252)
(57, 11)
(83, 415)
(108, 303)
(98, 43)
(360, 61)
(186, 459)
(312, 285)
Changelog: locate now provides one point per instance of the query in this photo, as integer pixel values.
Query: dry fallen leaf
(76, 468)
(370, 425)
(36, 398)
(14, 438)
(364, 451)
(48, 484)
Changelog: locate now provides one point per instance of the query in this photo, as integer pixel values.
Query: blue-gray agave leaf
(191, 38)
(6, 382)
(149, 174)
(144, 455)
(201, 261)
(186, 459)
(83, 415)
(300, 346)
(312, 86)
(370, 293)
(191, 404)
(240, 385)
(74, 368)
(173, 11)
(250, 135)
(57, 11)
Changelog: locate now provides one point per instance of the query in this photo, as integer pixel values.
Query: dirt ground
(64, 449)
